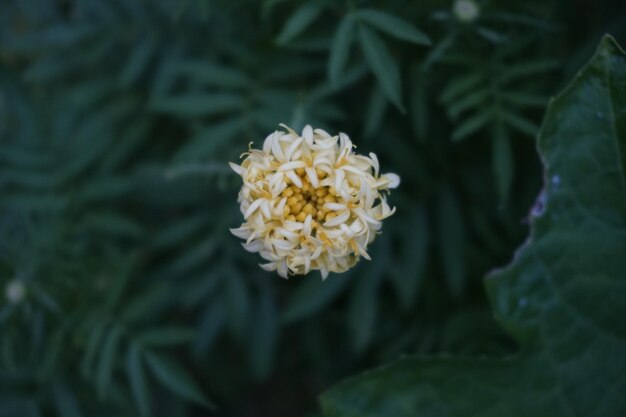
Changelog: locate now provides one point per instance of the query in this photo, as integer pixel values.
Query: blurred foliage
(124, 293)
(571, 357)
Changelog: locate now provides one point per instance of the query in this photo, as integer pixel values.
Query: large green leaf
(563, 298)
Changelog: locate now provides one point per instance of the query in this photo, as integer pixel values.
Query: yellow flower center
(305, 200)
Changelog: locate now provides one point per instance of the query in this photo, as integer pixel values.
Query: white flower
(466, 10)
(310, 203)
(15, 291)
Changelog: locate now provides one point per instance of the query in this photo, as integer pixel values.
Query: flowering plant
(311, 203)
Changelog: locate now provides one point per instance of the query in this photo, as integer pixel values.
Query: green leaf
(527, 69)
(212, 74)
(363, 307)
(393, 25)
(198, 105)
(451, 236)
(462, 85)
(472, 125)
(470, 101)
(137, 378)
(382, 65)
(65, 400)
(263, 335)
(407, 276)
(502, 159)
(563, 297)
(340, 49)
(238, 302)
(375, 112)
(167, 336)
(298, 22)
(107, 361)
(203, 145)
(174, 377)
(138, 60)
(520, 123)
(312, 295)
(523, 99)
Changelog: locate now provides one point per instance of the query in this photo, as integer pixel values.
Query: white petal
(254, 246)
(375, 163)
(255, 205)
(291, 165)
(353, 170)
(338, 220)
(307, 225)
(339, 177)
(265, 208)
(324, 273)
(322, 133)
(310, 172)
(271, 266)
(335, 206)
(241, 232)
(282, 269)
(237, 168)
(394, 179)
(292, 148)
(307, 134)
(277, 150)
(294, 178)
(267, 143)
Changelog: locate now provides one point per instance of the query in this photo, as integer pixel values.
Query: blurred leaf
(114, 224)
(392, 25)
(195, 255)
(340, 48)
(198, 105)
(363, 307)
(93, 343)
(142, 306)
(375, 112)
(382, 65)
(238, 302)
(211, 323)
(468, 102)
(520, 123)
(491, 35)
(419, 105)
(312, 295)
(502, 161)
(212, 74)
(526, 69)
(524, 99)
(107, 362)
(180, 230)
(298, 22)
(166, 336)
(65, 401)
(461, 85)
(451, 236)
(472, 125)
(138, 60)
(263, 335)
(204, 143)
(170, 374)
(408, 274)
(547, 297)
(137, 378)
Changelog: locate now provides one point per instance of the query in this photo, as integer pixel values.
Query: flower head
(310, 203)
(15, 291)
(466, 10)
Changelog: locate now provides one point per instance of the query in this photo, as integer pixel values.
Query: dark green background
(117, 120)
